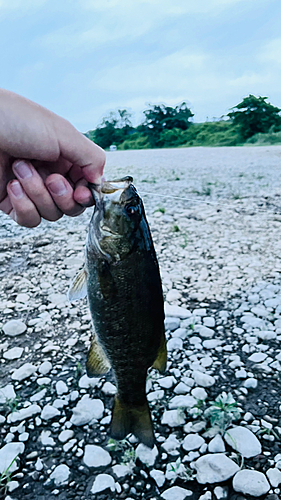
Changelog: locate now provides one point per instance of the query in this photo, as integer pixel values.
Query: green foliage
(177, 469)
(160, 118)
(254, 115)
(113, 129)
(135, 141)
(5, 477)
(222, 412)
(265, 139)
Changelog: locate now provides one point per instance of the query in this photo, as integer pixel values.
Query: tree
(160, 118)
(254, 115)
(113, 129)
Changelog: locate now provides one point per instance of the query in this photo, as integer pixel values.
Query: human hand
(45, 163)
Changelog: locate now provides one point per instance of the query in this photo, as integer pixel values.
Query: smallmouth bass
(122, 281)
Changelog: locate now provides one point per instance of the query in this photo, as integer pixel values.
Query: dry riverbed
(215, 216)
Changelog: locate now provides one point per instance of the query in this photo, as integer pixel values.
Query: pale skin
(45, 163)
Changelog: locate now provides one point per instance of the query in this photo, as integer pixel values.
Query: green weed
(222, 412)
(6, 476)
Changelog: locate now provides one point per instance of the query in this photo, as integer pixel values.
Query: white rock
(109, 389)
(182, 401)
(49, 412)
(172, 295)
(171, 444)
(257, 357)
(211, 344)
(202, 379)
(121, 470)
(158, 476)
(86, 382)
(87, 409)
(23, 372)
(24, 436)
(209, 321)
(173, 418)
(7, 455)
(181, 388)
(244, 441)
(61, 387)
(45, 367)
(14, 327)
(174, 344)
(38, 396)
(103, 482)
(7, 392)
(66, 435)
(146, 455)
(172, 323)
(216, 445)
(199, 393)
(23, 414)
(167, 382)
(178, 312)
(206, 496)
(46, 440)
(156, 395)
(214, 468)
(39, 464)
(266, 335)
(176, 493)
(241, 373)
(274, 476)
(13, 353)
(221, 493)
(192, 442)
(180, 333)
(60, 474)
(250, 383)
(205, 332)
(251, 482)
(95, 456)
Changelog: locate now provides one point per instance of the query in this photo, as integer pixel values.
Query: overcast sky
(84, 58)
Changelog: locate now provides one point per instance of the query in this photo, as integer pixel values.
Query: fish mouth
(110, 187)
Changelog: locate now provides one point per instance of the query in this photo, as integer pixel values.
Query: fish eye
(131, 210)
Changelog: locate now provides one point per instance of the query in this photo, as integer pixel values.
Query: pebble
(121, 470)
(214, 468)
(244, 441)
(172, 323)
(95, 456)
(49, 412)
(60, 474)
(257, 357)
(192, 442)
(103, 482)
(109, 389)
(203, 379)
(205, 332)
(158, 476)
(7, 454)
(274, 477)
(23, 413)
(171, 444)
(7, 393)
(65, 435)
(174, 343)
(146, 455)
(87, 410)
(216, 445)
(86, 382)
(182, 388)
(13, 353)
(14, 327)
(61, 387)
(167, 382)
(182, 401)
(221, 493)
(250, 383)
(24, 372)
(176, 493)
(45, 367)
(172, 418)
(251, 482)
(178, 312)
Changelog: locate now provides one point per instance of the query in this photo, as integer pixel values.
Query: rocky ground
(217, 410)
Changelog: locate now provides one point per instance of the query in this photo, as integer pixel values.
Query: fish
(122, 281)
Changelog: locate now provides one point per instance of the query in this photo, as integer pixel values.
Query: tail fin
(132, 419)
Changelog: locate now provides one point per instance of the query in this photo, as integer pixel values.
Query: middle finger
(36, 190)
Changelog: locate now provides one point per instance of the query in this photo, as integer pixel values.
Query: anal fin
(161, 359)
(97, 361)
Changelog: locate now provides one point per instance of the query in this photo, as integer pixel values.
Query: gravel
(219, 257)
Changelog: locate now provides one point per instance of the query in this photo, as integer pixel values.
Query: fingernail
(16, 189)
(23, 170)
(57, 187)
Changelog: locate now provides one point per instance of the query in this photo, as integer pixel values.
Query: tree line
(253, 120)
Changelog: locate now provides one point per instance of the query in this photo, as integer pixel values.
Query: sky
(85, 58)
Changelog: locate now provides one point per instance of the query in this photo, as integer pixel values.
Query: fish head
(116, 218)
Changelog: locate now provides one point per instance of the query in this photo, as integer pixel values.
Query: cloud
(271, 51)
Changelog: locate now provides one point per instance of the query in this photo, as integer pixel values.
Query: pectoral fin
(161, 360)
(97, 362)
(78, 289)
